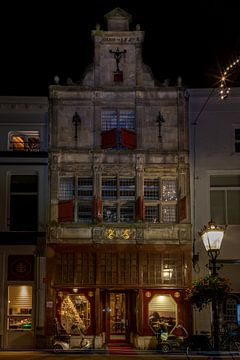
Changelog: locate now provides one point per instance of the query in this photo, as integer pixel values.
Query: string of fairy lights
(224, 89)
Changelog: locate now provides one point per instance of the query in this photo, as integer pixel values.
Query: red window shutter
(97, 209)
(129, 139)
(109, 139)
(65, 211)
(139, 209)
(182, 209)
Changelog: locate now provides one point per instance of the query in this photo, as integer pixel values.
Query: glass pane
(24, 183)
(127, 120)
(127, 188)
(109, 188)
(75, 314)
(109, 120)
(84, 212)
(127, 213)
(65, 188)
(217, 207)
(162, 313)
(233, 207)
(85, 188)
(151, 214)
(237, 134)
(168, 213)
(109, 213)
(151, 189)
(19, 307)
(169, 190)
(225, 180)
(117, 314)
(24, 141)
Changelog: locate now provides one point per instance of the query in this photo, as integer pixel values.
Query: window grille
(109, 213)
(84, 213)
(66, 188)
(152, 213)
(168, 213)
(118, 119)
(109, 188)
(151, 189)
(127, 188)
(169, 190)
(127, 213)
(85, 188)
(118, 196)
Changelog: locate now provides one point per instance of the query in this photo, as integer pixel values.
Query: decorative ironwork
(159, 121)
(76, 120)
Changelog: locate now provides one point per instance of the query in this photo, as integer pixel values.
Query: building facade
(119, 236)
(23, 208)
(215, 191)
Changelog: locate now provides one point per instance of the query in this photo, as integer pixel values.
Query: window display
(19, 307)
(75, 314)
(162, 314)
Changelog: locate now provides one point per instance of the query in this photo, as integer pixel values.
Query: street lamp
(212, 236)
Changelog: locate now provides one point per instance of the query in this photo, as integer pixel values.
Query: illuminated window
(24, 141)
(162, 312)
(19, 307)
(75, 313)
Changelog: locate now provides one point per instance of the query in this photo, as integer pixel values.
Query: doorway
(117, 322)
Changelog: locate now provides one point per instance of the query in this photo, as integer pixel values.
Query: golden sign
(118, 233)
(110, 233)
(125, 234)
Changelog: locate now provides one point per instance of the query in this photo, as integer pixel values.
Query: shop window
(24, 141)
(162, 313)
(75, 313)
(19, 307)
(225, 199)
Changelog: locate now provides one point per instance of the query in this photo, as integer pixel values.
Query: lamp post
(212, 236)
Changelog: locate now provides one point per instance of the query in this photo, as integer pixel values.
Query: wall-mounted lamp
(167, 273)
(76, 120)
(159, 121)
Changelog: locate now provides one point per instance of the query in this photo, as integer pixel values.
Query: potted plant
(207, 288)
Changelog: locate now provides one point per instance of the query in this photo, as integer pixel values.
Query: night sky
(192, 39)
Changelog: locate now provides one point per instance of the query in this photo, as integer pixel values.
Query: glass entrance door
(118, 316)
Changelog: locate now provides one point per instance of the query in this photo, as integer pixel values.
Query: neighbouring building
(23, 208)
(215, 191)
(119, 246)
